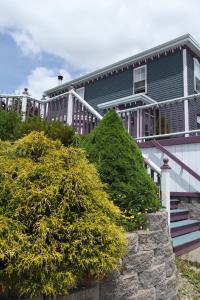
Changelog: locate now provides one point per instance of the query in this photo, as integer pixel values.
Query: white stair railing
(161, 177)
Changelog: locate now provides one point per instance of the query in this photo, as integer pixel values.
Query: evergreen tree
(121, 166)
(57, 225)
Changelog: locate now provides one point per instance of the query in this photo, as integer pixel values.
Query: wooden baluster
(6, 103)
(177, 128)
(149, 122)
(83, 120)
(165, 112)
(160, 129)
(171, 108)
(154, 120)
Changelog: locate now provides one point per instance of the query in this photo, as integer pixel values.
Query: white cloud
(93, 33)
(41, 79)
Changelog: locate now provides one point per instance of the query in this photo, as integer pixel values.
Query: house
(157, 95)
(163, 73)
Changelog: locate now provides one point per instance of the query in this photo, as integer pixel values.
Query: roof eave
(186, 39)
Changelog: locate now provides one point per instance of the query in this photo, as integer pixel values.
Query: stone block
(132, 243)
(150, 240)
(152, 277)
(157, 221)
(165, 250)
(139, 262)
(148, 294)
(170, 266)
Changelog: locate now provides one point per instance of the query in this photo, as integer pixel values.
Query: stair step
(174, 200)
(173, 205)
(185, 243)
(182, 227)
(178, 214)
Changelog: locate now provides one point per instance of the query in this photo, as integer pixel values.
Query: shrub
(54, 130)
(57, 225)
(120, 165)
(9, 120)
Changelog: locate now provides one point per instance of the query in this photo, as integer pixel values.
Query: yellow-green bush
(57, 224)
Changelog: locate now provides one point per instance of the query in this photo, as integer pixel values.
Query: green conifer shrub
(121, 166)
(54, 130)
(9, 120)
(57, 225)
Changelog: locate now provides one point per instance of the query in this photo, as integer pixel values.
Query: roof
(184, 40)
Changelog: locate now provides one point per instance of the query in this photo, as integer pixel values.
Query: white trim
(195, 60)
(87, 105)
(143, 138)
(135, 69)
(128, 99)
(176, 43)
(151, 164)
(160, 103)
(185, 90)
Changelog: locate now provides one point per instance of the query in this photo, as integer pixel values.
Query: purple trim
(186, 247)
(184, 229)
(177, 160)
(165, 165)
(178, 216)
(172, 141)
(185, 194)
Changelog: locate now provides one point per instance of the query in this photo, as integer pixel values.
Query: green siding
(165, 77)
(110, 88)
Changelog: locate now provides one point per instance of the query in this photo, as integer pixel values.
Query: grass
(191, 271)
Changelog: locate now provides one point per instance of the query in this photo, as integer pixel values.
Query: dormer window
(140, 80)
(196, 75)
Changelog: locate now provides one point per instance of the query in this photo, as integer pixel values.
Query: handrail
(159, 103)
(87, 105)
(152, 165)
(177, 160)
(166, 134)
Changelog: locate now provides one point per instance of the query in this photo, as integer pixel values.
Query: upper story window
(140, 80)
(196, 75)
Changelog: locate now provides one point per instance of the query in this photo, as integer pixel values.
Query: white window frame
(196, 63)
(81, 92)
(145, 67)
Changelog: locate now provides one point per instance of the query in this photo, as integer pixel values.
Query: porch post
(185, 91)
(24, 104)
(70, 107)
(165, 186)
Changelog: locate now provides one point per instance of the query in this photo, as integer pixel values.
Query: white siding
(181, 180)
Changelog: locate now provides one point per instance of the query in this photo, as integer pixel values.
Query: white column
(185, 91)
(165, 186)
(70, 108)
(24, 104)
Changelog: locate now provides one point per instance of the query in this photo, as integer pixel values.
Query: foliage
(54, 130)
(57, 225)
(9, 120)
(188, 270)
(120, 164)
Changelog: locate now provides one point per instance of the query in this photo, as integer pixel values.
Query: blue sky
(15, 66)
(41, 39)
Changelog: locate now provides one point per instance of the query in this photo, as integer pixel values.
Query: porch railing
(68, 108)
(174, 117)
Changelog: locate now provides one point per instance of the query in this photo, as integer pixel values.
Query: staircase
(185, 232)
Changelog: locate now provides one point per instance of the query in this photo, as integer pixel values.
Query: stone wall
(192, 204)
(147, 272)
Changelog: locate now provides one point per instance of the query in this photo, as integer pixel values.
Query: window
(196, 75)
(140, 80)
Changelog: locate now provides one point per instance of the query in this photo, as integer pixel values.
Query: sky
(40, 39)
